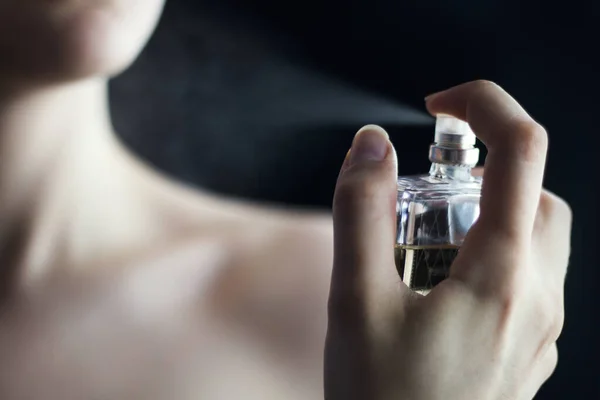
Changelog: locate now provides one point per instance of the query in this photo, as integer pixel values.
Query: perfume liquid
(423, 267)
(436, 211)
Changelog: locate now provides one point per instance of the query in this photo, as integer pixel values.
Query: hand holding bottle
(488, 332)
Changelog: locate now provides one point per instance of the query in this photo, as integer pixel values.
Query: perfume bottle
(435, 211)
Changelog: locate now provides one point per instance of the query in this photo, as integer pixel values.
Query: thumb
(364, 217)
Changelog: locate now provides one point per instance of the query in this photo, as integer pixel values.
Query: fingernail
(370, 143)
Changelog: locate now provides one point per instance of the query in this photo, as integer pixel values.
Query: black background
(261, 99)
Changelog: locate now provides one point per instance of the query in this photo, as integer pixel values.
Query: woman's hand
(488, 332)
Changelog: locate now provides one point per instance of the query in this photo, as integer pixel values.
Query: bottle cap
(453, 132)
(454, 143)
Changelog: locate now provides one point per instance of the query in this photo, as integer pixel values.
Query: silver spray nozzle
(454, 142)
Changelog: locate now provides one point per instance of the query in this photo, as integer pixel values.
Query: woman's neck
(44, 130)
(66, 185)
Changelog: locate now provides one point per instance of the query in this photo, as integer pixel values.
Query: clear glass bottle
(435, 211)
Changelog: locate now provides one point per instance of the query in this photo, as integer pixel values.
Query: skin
(119, 283)
(487, 332)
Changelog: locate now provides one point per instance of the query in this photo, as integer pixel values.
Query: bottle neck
(451, 172)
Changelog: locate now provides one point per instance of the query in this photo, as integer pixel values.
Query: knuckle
(549, 362)
(553, 207)
(551, 322)
(555, 325)
(566, 210)
(561, 207)
(530, 140)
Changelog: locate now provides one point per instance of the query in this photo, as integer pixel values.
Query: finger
(514, 167)
(364, 215)
(552, 235)
(541, 373)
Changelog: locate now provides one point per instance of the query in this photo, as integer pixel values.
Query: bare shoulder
(277, 284)
(299, 244)
(300, 237)
(262, 238)
(272, 284)
(259, 231)
(284, 247)
(271, 250)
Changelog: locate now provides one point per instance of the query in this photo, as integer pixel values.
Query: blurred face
(73, 39)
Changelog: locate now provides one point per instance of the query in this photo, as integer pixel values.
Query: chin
(84, 43)
(101, 45)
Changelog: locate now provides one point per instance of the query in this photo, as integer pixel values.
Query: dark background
(261, 99)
